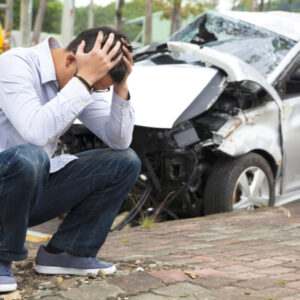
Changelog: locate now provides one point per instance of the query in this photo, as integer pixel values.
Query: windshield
(260, 48)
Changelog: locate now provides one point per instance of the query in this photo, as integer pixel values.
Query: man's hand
(94, 65)
(121, 88)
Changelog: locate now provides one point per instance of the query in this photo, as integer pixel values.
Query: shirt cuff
(119, 102)
(76, 92)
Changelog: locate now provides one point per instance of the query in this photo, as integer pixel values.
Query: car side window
(293, 83)
(291, 87)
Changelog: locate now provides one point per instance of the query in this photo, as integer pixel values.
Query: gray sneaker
(8, 282)
(66, 263)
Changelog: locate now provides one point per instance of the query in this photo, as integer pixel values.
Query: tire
(224, 189)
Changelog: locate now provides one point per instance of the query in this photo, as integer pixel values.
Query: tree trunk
(38, 24)
(234, 2)
(120, 4)
(67, 24)
(91, 15)
(254, 5)
(148, 23)
(176, 16)
(8, 24)
(269, 5)
(25, 22)
(261, 6)
(214, 3)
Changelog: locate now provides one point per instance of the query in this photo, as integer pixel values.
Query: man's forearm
(122, 91)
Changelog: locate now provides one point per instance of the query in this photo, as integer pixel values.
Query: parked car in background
(217, 117)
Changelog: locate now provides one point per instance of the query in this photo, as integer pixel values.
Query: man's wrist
(122, 91)
(89, 87)
(88, 78)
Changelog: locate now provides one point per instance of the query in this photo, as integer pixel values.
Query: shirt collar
(47, 69)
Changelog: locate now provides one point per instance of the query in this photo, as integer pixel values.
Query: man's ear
(70, 59)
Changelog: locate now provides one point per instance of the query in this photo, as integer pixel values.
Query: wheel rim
(251, 190)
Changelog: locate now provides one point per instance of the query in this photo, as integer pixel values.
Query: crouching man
(43, 89)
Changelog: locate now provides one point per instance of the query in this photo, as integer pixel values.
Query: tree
(261, 5)
(175, 15)
(148, 25)
(119, 8)
(254, 6)
(38, 24)
(52, 18)
(174, 10)
(91, 15)
(283, 5)
(234, 4)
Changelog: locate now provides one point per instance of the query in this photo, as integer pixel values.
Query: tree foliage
(265, 5)
(193, 7)
(52, 18)
(133, 9)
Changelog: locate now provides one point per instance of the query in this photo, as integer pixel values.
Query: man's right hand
(94, 65)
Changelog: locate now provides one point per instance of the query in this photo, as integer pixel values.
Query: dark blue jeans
(91, 189)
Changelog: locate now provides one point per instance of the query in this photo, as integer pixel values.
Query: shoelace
(5, 268)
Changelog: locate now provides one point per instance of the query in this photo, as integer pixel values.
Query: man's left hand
(121, 88)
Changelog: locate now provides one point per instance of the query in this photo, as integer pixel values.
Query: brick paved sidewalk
(240, 255)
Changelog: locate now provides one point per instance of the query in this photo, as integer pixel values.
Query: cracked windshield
(260, 48)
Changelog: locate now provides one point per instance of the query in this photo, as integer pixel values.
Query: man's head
(117, 73)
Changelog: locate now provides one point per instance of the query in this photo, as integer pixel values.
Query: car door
(290, 92)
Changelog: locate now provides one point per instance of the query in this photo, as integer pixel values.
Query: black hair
(118, 72)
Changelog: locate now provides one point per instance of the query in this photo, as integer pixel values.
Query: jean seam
(83, 178)
(79, 229)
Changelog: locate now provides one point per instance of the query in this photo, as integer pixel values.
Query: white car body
(159, 99)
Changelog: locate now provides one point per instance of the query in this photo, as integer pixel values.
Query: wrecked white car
(217, 117)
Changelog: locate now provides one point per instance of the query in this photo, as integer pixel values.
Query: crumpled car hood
(161, 93)
(235, 68)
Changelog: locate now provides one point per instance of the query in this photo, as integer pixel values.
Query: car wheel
(242, 183)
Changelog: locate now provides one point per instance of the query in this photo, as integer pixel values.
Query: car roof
(280, 22)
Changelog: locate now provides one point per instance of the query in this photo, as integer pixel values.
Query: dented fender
(251, 130)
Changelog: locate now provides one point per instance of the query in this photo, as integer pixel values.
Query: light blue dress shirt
(34, 110)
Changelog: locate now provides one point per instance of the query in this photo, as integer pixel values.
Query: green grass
(147, 222)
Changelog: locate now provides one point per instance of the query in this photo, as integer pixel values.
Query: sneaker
(8, 282)
(66, 263)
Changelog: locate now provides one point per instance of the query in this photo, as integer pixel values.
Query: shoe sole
(8, 287)
(71, 271)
